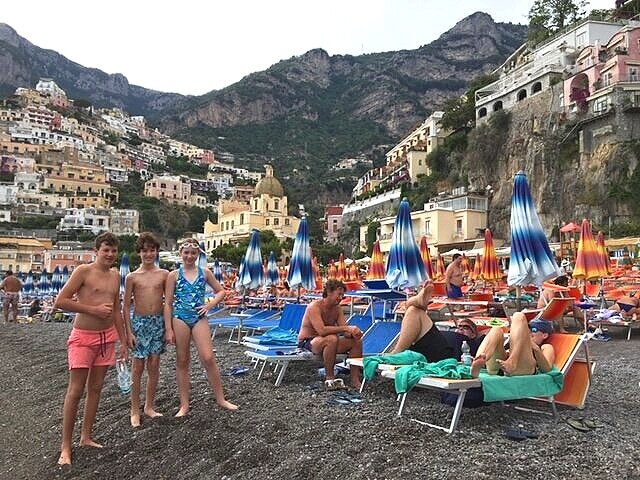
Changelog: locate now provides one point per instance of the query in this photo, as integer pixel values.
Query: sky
(195, 46)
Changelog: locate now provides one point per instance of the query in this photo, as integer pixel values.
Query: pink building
(333, 219)
(600, 67)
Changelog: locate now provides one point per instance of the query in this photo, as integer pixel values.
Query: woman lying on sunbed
(528, 352)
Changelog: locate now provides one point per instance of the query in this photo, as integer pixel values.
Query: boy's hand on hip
(103, 310)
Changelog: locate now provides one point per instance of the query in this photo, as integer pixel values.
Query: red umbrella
(604, 253)
(376, 267)
(466, 265)
(589, 262)
(569, 228)
(426, 257)
(490, 267)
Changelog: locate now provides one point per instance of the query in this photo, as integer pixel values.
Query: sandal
(578, 424)
(329, 385)
(338, 384)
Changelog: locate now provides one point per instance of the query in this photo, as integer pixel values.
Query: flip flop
(338, 384)
(513, 433)
(578, 424)
(593, 424)
(338, 401)
(350, 397)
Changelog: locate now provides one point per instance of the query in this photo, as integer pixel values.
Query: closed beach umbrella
(589, 262)
(317, 273)
(376, 266)
(490, 267)
(273, 275)
(252, 275)
(604, 253)
(202, 258)
(28, 287)
(342, 274)
(300, 268)
(65, 276)
(56, 280)
(466, 265)
(404, 265)
(440, 270)
(217, 271)
(477, 268)
(426, 257)
(332, 271)
(44, 285)
(354, 274)
(531, 260)
(124, 271)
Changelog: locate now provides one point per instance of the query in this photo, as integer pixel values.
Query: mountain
(22, 64)
(302, 114)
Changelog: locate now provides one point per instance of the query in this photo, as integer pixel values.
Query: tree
(460, 112)
(547, 17)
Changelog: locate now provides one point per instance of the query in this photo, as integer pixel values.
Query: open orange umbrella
(604, 253)
(440, 270)
(490, 267)
(376, 267)
(466, 265)
(477, 268)
(342, 273)
(426, 257)
(589, 262)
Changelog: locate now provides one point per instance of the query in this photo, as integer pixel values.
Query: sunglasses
(465, 327)
(536, 329)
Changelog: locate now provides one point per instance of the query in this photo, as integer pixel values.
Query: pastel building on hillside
(21, 254)
(266, 209)
(332, 222)
(67, 254)
(174, 189)
(448, 221)
(528, 72)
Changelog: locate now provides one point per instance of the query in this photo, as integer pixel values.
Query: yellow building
(85, 184)
(448, 222)
(265, 210)
(22, 254)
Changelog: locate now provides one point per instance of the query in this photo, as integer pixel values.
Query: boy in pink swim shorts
(91, 345)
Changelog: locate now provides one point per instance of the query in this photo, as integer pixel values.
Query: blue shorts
(454, 291)
(149, 332)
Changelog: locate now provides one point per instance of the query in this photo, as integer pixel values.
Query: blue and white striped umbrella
(405, 268)
(202, 257)
(44, 284)
(65, 276)
(300, 268)
(156, 262)
(28, 287)
(252, 275)
(217, 271)
(531, 260)
(124, 271)
(56, 281)
(273, 274)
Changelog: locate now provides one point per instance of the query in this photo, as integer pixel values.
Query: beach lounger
(290, 320)
(576, 374)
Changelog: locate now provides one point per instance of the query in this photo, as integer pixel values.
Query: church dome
(269, 185)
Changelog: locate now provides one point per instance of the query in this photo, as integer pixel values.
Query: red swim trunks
(92, 348)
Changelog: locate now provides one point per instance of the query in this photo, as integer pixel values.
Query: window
(286, 222)
(459, 226)
(266, 222)
(232, 223)
(633, 74)
(427, 227)
(600, 105)
(276, 221)
(241, 218)
(276, 204)
(607, 79)
(522, 94)
(482, 112)
(255, 204)
(581, 40)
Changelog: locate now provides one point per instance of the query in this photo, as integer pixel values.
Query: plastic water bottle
(124, 377)
(466, 354)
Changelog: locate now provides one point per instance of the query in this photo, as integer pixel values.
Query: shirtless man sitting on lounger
(419, 334)
(528, 352)
(322, 324)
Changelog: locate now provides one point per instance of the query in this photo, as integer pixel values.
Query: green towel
(408, 376)
(497, 388)
(370, 364)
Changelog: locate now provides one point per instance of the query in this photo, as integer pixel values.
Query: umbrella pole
(518, 298)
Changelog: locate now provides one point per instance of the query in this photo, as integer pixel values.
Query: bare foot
(228, 405)
(135, 420)
(356, 383)
(506, 366)
(182, 412)
(89, 443)
(150, 412)
(65, 458)
(477, 364)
